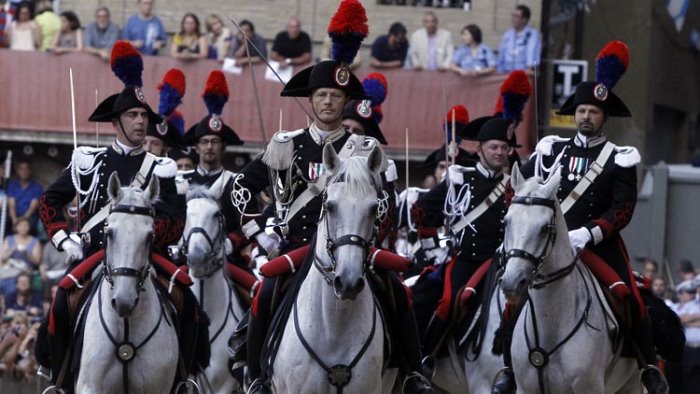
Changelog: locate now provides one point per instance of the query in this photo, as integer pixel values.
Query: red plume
(461, 114)
(176, 79)
(517, 83)
(381, 78)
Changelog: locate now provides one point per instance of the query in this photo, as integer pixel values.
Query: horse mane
(530, 185)
(357, 177)
(200, 191)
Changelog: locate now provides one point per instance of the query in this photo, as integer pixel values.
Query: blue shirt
(385, 53)
(148, 30)
(100, 39)
(519, 51)
(485, 57)
(23, 197)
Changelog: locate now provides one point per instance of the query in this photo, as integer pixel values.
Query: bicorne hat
(611, 64)
(215, 96)
(368, 112)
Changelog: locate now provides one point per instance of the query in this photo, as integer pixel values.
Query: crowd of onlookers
(34, 26)
(29, 269)
(684, 299)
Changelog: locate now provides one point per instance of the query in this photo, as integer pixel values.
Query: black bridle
(109, 271)
(536, 261)
(215, 245)
(328, 271)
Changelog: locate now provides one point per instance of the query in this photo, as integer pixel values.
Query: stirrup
(414, 375)
(428, 366)
(258, 383)
(44, 373)
(53, 389)
(187, 383)
(661, 375)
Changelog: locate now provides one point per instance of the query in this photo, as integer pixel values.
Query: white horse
(471, 371)
(130, 344)
(335, 330)
(204, 245)
(562, 341)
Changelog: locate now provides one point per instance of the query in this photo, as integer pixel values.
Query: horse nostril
(359, 285)
(337, 284)
(114, 304)
(522, 283)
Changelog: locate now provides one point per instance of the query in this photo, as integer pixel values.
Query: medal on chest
(315, 170)
(577, 168)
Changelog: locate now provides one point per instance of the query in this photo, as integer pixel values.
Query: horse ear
(516, 177)
(375, 160)
(552, 184)
(216, 192)
(153, 188)
(114, 187)
(331, 161)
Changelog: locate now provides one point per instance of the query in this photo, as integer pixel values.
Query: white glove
(268, 242)
(73, 250)
(579, 238)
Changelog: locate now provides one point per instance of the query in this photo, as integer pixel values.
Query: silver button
(303, 216)
(303, 239)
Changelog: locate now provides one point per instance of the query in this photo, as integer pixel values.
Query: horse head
(348, 219)
(204, 234)
(532, 226)
(128, 238)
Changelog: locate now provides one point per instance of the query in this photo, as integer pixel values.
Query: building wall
(269, 16)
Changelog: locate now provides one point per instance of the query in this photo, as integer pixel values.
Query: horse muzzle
(348, 291)
(124, 307)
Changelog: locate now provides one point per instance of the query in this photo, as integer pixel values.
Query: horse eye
(373, 209)
(109, 233)
(330, 206)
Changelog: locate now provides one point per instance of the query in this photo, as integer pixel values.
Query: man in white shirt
(689, 312)
(430, 48)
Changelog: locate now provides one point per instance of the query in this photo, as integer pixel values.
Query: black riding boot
(431, 340)
(502, 340)
(409, 341)
(194, 334)
(652, 378)
(258, 323)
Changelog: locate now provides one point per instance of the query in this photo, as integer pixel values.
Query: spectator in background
(689, 313)
(22, 247)
(520, 46)
(5, 20)
(144, 30)
(11, 338)
(239, 43)
(24, 298)
(189, 43)
(650, 268)
(100, 35)
(48, 22)
(431, 48)
(70, 37)
(687, 270)
(23, 34)
(291, 47)
(473, 58)
(390, 50)
(218, 37)
(24, 193)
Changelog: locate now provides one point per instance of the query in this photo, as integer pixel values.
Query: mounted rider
(292, 165)
(470, 202)
(210, 137)
(598, 193)
(86, 177)
(166, 135)
(362, 117)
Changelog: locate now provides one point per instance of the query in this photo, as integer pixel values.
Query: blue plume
(169, 100)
